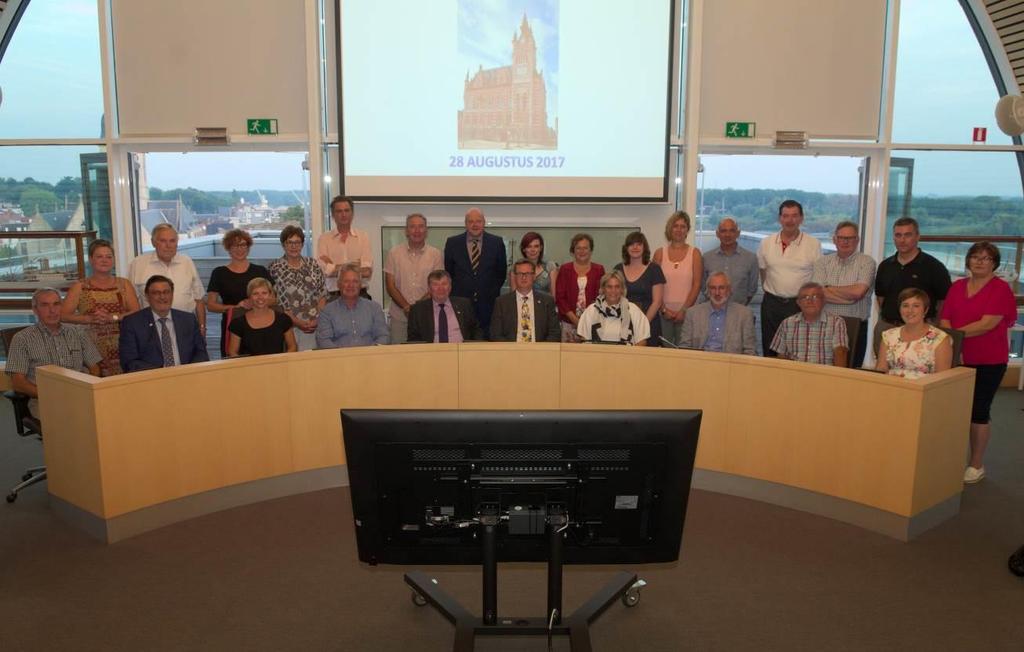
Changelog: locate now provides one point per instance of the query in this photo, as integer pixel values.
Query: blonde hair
(618, 276)
(260, 282)
(672, 219)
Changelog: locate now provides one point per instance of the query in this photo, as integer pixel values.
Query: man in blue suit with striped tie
(158, 335)
(477, 263)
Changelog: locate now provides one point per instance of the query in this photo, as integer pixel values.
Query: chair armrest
(22, 416)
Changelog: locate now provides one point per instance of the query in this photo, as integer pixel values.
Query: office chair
(958, 342)
(25, 424)
(852, 332)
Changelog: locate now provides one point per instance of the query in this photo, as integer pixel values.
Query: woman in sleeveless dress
(99, 302)
(916, 348)
(683, 268)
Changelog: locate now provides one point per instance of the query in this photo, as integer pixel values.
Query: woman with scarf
(611, 319)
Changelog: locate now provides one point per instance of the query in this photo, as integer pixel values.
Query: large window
(944, 88)
(960, 194)
(204, 194)
(750, 189)
(50, 73)
(54, 188)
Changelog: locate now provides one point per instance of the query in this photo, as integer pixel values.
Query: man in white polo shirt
(165, 260)
(786, 260)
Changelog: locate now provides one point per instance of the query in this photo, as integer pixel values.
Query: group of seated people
(676, 296)
(272, 311)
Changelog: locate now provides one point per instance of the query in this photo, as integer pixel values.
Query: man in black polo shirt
(909, 267)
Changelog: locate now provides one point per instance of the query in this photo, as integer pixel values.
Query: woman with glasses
(227, 292)
(576, 284)
(984, 308)
(300, 287)
(261, 330)
(916, 348)
(99, 302)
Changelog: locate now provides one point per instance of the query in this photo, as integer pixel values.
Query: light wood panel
(129, 442)
(71, 444)
(497, 377)
(941, 446)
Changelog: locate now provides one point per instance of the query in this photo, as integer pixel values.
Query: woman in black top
(229, 283)
(261, 330)
(645, 283)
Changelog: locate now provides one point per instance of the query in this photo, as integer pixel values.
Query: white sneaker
(972, 475)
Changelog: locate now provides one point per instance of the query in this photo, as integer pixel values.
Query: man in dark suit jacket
(142, 344)
(507, 320)
(480, 283)
(425, 315)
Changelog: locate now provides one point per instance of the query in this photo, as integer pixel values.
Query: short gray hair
(163, 226)
(723, 275)
(40, 292)
(811, 285)
(350, 267)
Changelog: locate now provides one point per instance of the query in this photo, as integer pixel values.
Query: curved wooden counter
(134, 452)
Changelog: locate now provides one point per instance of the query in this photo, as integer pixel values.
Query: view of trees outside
(218, 191)
(750, 188)
(943, 90)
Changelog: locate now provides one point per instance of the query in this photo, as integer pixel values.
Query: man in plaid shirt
(812, 335)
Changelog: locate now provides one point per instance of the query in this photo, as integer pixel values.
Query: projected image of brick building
(506, 107)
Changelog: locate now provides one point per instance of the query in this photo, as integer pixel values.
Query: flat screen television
(420, 480)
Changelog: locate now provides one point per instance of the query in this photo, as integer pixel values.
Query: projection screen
(551, 100)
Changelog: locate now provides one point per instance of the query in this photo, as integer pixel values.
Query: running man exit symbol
(740, 129)
(261, 126)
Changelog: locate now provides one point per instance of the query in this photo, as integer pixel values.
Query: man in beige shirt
(405, 274)
(342, 245)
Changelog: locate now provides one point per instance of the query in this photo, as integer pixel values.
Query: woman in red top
(577, 285)
(983, 307)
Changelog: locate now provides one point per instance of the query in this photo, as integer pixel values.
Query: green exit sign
(261, 126)
(740, 129)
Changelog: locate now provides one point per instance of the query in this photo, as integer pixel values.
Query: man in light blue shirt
(351, 320)
(739, 264)
(719, 325)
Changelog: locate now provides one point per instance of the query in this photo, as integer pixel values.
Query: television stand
(625, 586)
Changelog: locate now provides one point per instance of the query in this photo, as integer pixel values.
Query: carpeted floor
(282, 575)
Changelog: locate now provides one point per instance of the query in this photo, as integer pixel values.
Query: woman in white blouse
(612, 319)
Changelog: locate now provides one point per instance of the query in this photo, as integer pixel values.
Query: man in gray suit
(719, 325)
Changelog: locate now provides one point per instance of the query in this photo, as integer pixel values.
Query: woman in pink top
(983, 307)
(683, 268)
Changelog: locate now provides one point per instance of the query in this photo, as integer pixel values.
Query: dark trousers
(773, 310)
(860, 347)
